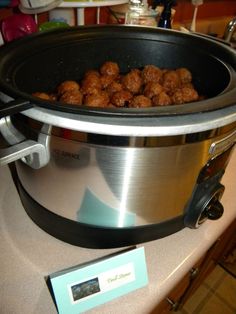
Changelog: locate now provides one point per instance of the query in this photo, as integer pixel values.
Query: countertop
(28, 255)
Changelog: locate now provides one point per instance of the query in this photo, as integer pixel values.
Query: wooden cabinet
(198, 273)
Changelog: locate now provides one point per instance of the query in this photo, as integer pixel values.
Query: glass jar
(139, 14)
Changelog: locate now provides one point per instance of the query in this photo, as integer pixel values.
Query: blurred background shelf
(81, 5)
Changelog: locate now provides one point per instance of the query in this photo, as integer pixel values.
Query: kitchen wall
(209, 9)
(213, 15)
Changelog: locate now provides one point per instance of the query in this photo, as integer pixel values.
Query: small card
(81, 288)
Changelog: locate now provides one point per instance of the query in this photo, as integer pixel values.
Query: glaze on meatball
(67, 86)
(151, 73)
(185, 75)
(162, 100)
(100, 99)
(133, 81)
(73, 97)
(53, 96)
(152, 89)
(106, 80)
(184, 95)
(91, 73)
(121, 99)
(91, 84)
(114, 87)
(189, 85)
(140, 101)
(43, 96)
(171, 81)
(110, 68)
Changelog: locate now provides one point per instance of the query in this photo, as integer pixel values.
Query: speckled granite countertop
(28, 255)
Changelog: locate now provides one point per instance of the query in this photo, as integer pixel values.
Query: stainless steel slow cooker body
(114, 181)
(101, 177)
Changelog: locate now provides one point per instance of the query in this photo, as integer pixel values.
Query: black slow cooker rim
(225, 99)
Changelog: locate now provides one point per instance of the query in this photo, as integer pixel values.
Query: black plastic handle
(215, 210)
(14, 106)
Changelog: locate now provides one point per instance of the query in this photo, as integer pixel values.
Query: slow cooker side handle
(14, 106)
(33, 153)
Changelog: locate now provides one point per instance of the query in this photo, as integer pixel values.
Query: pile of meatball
(107, 87)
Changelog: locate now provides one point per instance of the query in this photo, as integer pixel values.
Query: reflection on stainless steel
(152, 184)
(229, 31)
(129, 160)
(9, 132)
(26, 125)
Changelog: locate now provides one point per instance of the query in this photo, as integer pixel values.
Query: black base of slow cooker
(91, 236)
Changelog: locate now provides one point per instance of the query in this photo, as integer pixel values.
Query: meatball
(106, 80)
(133, 81)
(100, 99)
(43, 96)
(114, 87)
(106, 87)
(91, 73)
(171, 81)
(121, 99)
(91, 84)
(110, 68)
(73, 97)
(185, 75)
(152, 89)
(151, 73)
(53, 96)
(67, 86)
(110, 105)
(161, 100)
(189, 85)
(140, 101)
(184, 95)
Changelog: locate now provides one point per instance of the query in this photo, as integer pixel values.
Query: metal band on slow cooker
(158, 126)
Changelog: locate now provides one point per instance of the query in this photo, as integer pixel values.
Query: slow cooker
(110, 177)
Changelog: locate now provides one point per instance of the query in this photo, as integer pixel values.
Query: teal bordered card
(81, 288)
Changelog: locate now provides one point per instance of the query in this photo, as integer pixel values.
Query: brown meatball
(133, 81)
(67, 86)
(110, 105)
(106, 80)
(161, 100)
(106, 87)
(100, 99)
(110, 68)
(53, 97)
(184, 95)
(151, 73)
(114, 87)
(73, 97)
(171, 81)
(119, 78)
(185, 75)
(189, 85)
(121, 99)
(163, 71)
(43, 96)
(91, 84)
(140, 101)
(152, 89)
(91, 73)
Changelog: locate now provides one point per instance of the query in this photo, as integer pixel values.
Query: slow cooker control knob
(214, 210)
